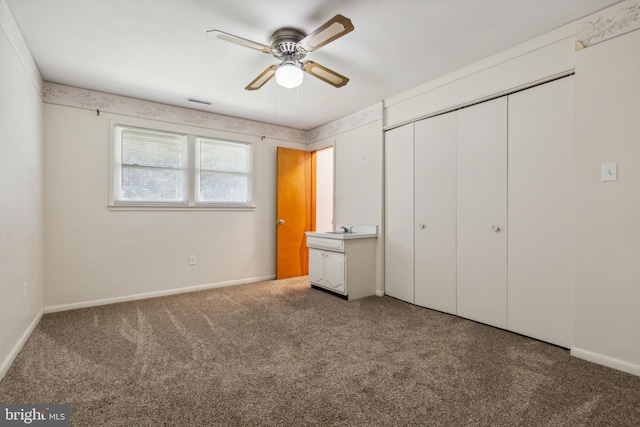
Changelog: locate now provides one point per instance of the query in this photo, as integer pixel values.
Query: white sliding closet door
(541, 260)
(435, 213)
(482, 213)
(399, 261)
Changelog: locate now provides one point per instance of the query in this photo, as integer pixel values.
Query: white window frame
(192, 171)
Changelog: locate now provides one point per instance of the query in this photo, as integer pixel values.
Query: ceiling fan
(290, 46)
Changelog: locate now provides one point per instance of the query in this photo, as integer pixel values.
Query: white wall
(21, 214)
(96, 254)
(358, 186)
(324, 189)
(607, 299)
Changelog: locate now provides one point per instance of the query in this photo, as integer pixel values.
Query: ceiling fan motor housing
(285, 43)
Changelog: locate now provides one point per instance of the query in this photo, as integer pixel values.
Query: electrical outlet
(24, 291)
(192, 260)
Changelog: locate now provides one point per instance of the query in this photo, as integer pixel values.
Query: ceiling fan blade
(334, 28)
(239, 40)
(324, 74)
(264, 77)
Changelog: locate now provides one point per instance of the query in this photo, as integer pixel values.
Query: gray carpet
(280, 353)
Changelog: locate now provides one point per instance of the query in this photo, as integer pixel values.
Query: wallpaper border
(92, 100)
(611, 22)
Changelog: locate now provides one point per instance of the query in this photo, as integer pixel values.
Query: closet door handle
(495, 229)
(422, 226)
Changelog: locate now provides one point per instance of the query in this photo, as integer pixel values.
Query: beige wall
(94, 254)
(21, 222)
(607, 299)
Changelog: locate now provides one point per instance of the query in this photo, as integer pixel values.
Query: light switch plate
(609, 172)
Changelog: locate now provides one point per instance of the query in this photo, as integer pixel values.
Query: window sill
(179, 208)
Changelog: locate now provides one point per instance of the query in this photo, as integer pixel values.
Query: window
(151, 166)
(160, 168)
(223, 171)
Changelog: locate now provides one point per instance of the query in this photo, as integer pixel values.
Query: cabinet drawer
(331, 244)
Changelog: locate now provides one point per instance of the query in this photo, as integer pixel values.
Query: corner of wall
(22, 218)
(11, 29)
(347, 123)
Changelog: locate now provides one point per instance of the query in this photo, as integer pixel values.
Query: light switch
(609, 171)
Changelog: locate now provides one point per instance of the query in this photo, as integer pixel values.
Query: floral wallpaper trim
(10, 26)
(616, 20)
(92, 100)
(352, 121)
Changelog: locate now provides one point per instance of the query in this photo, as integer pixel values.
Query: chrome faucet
(347, 229)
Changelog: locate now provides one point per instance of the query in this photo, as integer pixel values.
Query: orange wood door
(294, 212)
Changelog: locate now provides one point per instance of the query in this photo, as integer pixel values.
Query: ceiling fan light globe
(289, 76)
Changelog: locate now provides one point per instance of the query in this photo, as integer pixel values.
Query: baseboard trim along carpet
(126, 298)
(610, 362)
(6, 364)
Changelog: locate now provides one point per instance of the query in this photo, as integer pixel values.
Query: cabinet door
(435, 213)
(334, 271)
(482, 213)
(398, 242)
(316, 273)
(541, 260)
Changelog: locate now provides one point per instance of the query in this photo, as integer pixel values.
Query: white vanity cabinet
(343, 264)
(327, 269)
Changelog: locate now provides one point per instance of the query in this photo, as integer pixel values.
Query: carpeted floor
(281, 353)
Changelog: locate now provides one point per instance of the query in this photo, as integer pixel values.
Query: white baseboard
(6, 364)
(93, 303)
(380, 293)
(601, 359)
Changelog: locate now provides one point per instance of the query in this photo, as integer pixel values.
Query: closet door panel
(435, 213)
(541, 260)
(399, 255)
(482, 213)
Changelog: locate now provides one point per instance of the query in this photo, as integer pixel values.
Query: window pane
(150, 148)
(142, 184)
(224, 188)
(224, 156)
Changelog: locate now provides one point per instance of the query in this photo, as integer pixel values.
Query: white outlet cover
(609, 172)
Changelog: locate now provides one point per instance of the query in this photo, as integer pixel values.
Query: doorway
(304, 203)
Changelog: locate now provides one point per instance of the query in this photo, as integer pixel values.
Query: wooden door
(293, 212)
(541, 260)
(482, 213)
(398, 274)
(435, 213)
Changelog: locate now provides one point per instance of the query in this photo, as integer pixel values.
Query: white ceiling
(158, 50)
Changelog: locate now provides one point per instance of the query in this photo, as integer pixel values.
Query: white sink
(359, 232)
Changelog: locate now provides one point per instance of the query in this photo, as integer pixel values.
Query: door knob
(495, 228)
(280, 221)
(422, 226)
